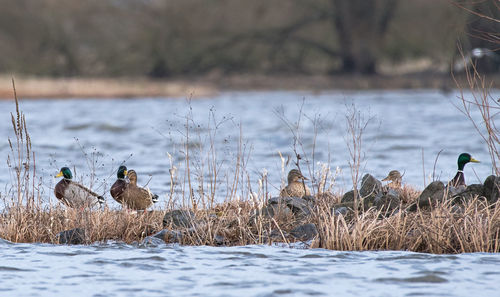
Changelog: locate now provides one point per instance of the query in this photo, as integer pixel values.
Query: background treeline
(165, 38)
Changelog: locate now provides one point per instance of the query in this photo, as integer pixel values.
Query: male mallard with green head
(135, 197)
(395, 179)
(120, 184)
(459, 179)
(296, 186)
(73, 194)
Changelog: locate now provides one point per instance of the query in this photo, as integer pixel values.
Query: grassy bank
(209, 85)
(474, 227)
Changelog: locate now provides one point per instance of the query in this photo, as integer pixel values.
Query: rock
(348, 196)
(219, 240)
(73, 236)
(471, 192)
(431, 194)
(491, 188)
(370, 187)
(305, 232)
(169, 236)
(274, 210)
(299, 206)
(178, 218)
(387, 201)
(340, 211)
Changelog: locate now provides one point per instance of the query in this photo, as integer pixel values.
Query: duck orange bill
(474, 160)
(125, 172)
(59, 174)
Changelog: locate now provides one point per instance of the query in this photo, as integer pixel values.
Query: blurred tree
(361, 26)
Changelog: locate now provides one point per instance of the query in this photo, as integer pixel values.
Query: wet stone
(305, 232)
(178, 218)
(169, 236)
(298, 206)
(387, 201)
(370, 187)
(471, 192)
(432, 193)
(73, 236)
(491, 188)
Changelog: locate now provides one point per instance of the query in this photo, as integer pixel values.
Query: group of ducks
(126, 192)
(297, 188)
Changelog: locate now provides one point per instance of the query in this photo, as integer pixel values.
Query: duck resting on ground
(120, 184)
(73, 194)
(296, 186)
(459, 179)
(135, 197)
(395, 179)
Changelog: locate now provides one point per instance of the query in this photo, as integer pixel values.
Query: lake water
(406, 131)
(170, 270)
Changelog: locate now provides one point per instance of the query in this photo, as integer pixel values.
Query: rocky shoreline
(293, 219)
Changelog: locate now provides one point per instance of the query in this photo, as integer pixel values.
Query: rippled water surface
(124, 270)
(407, 129)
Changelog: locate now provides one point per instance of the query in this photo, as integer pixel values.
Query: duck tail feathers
(154, 197)
(100, 199)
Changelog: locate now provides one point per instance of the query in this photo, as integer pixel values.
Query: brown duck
(73, 194)
(135, 197)
(296, 186)
(395, 179)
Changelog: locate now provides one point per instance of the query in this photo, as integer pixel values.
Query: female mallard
(135, 197)
(74, 195)
(295, 188)
(459, 179)
(395, 179)
(120, 185)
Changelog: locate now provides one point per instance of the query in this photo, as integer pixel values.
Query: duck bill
(59, 174)
(474, 160)
(125, 172)
(304, 178)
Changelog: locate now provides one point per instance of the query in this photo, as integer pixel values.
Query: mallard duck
(459, 179)
(295, 188)
(395, 179)
(73, 194)
(135, 197)
(120, 184)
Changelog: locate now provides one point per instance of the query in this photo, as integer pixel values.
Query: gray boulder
(471, 192)
(169, 236)
(348, 196)
(387, 201)
(432, 193)
(274, 210)
(178, 218)
(370, 187)
(491, 188)
(305, 232)
(298, 206)
(73, 236)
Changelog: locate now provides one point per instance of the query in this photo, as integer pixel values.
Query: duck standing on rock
(133, 196)
(296, 186)
(73, 194)
(395, 179)
(120, 185)
(459, 179)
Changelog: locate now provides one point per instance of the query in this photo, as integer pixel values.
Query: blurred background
(161, 39)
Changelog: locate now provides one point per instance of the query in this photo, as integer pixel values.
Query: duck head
(132, 176)
(122, 172)
(295, 175)
(65, 172)
(465, 158)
